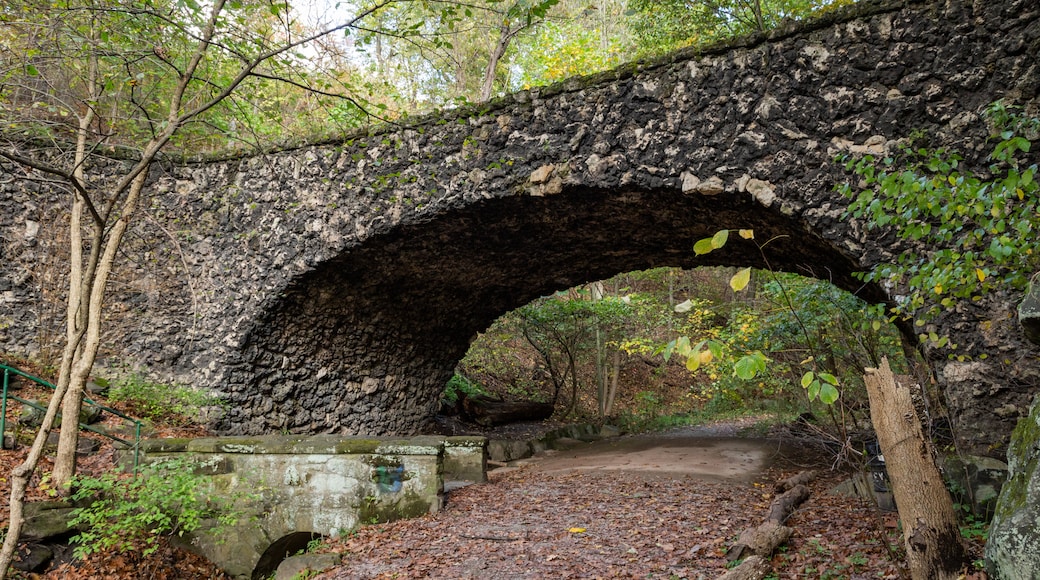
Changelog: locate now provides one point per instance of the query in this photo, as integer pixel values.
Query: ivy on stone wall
(986, 225)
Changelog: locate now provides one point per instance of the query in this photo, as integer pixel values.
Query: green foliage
(664, 25)
(166, 499)
(801, 312)
(460, 385)
(976, 233)
(160, 402)
(973, 528)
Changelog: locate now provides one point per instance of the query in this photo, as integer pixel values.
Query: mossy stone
(1013, 549)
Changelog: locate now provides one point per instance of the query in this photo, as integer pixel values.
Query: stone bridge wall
(332, 288)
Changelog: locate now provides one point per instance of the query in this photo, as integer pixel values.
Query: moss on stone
(407, 505)
(1022, 463)
(169, 445)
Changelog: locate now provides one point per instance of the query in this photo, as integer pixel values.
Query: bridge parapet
(295, 487)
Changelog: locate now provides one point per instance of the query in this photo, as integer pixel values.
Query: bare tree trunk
(505, 36)
(612, 391)
(933, 544)
(572, 368)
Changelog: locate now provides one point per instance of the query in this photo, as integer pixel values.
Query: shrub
(459, 384)
(167, 498)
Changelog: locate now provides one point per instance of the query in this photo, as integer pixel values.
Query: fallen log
(754, 568)
(490, 412)
(801, 478)
(783, 505)
(759, 541)
(771, 534)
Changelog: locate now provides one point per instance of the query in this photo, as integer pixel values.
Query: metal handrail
(8, 371)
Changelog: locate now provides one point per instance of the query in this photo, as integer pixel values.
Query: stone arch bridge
(332, 288)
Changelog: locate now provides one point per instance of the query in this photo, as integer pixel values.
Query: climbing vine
(968, 234)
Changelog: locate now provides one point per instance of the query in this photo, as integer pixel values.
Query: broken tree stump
(930, 533)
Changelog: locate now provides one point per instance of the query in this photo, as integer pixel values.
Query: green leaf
(807, 379)
(719, 239)
(703, 247)
(669, 348)
(740, 280)
(31, 70)
(828, 394)
(828, 378)
(813, 390)
(748, 366)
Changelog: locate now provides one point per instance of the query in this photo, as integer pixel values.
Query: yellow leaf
(706, 356)
(740, 280)
(938, 288)
(693, 363)
(980, 274)
(576, 530)
(747, 234)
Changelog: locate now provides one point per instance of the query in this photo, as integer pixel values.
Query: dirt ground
(712, 453)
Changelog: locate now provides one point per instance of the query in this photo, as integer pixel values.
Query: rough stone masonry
(332, 288)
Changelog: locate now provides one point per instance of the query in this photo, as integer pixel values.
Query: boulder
(46, 519)
(1013, 549)
(297, 566)
(32, 557)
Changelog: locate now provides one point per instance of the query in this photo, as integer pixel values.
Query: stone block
(465, 458)
(1013, 548)
(976, 481)
(324, 484)
(505, 450)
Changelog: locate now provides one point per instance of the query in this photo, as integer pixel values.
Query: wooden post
(933, 544)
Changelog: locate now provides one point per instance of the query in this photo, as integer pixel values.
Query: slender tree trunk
(505, 36)
(933, 544)
(572, 368)
(65, 462)
(612, 390)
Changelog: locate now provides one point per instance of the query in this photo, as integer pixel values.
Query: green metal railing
(9, 371)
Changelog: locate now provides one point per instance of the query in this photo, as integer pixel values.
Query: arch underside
(365, 342)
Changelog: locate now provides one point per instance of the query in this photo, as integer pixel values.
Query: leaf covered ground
(530, 524)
